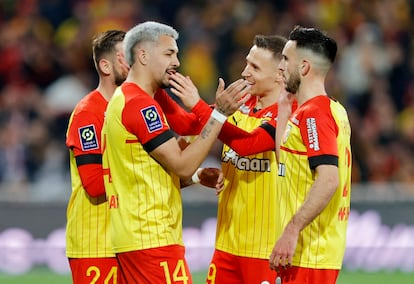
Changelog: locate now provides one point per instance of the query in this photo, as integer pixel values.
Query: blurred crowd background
(46, 68)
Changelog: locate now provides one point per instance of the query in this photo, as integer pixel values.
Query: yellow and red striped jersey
(144, 198)
(246, 210)
(317, 133)
(87, 228)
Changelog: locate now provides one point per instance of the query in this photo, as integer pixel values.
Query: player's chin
(254, 93)
(165, 83)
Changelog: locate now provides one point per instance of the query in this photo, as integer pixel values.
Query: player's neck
(106, 88)
(309, 91)
(143, 80)
(267, 99)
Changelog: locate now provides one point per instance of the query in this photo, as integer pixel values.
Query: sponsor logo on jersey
(246, 164)
(88, 138)
(152, 118)
(312, 133)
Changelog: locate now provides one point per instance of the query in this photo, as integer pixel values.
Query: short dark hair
(104, 43)
(314, 40)
(273, 43)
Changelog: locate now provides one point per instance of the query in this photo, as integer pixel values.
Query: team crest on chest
(152, 118)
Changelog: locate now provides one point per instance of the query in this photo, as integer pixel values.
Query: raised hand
(229, 99)
(184, 88)
(285, 101)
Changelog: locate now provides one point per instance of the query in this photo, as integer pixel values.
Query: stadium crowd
(46, 67)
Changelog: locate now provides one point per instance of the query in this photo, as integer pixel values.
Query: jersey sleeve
(84, 133)
(319, 131)
(146, 120)
(84, 136)
(181, 122)
(245, 143)
(203, 111)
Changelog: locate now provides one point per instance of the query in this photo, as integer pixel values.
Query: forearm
(286, 105)
(197, 151)
(248, 143)
(203, 111)
(185, 162)
(181, 121)
(92, 180)
(282, 120)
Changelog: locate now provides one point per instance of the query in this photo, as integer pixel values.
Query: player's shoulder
(317, 103)
(92, 102)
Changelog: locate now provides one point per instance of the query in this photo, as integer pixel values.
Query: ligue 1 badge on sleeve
(88, 138)
(152, 118)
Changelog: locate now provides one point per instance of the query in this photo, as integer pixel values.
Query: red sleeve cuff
(202, 109)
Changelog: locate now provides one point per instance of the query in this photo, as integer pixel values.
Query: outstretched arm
(246, 143)
(182, 122)
(185, 162)
(183, 88)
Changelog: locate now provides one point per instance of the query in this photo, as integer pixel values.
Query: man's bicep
(328, 176)
(167, 153)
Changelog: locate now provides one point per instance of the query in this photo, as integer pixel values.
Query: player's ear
(105, 66)
(305, 67)
(279, 75)
(142, 56)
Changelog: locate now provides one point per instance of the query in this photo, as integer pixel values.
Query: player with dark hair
(88, 244)
(313, 186)
(246, 221)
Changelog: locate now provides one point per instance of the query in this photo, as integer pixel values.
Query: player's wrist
(195, 178)
(217, 115)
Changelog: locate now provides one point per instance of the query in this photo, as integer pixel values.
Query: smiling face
(261, 71)
(290, 67)
(163, 60)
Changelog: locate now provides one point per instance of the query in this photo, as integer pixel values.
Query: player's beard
(165, 83)
(119, 78)
(293, 83)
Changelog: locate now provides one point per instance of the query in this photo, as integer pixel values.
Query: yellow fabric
(246, 210)
(144, 199)
(87, 234)
(322, 243)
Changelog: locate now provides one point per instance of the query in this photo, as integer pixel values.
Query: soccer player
(246, 221)
(88, 244)
(143, 161)
(314, 176)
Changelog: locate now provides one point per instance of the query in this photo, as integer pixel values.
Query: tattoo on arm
(207, 130)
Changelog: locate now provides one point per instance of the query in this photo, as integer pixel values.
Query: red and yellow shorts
(95, 270)
(158, 265)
